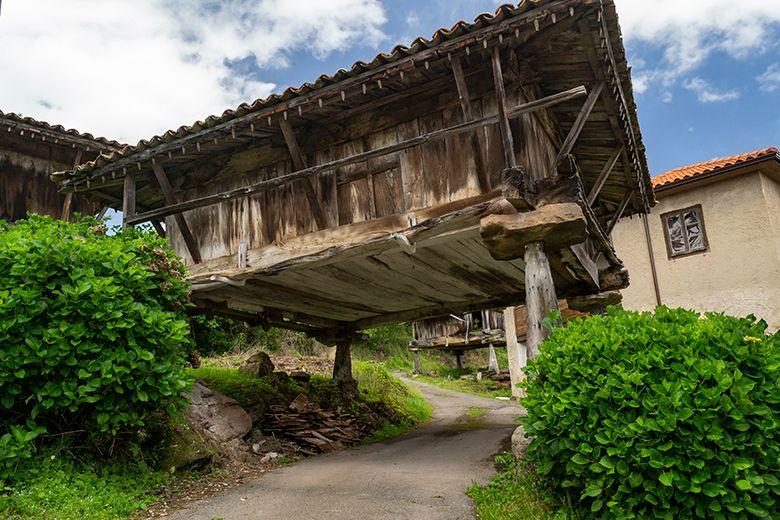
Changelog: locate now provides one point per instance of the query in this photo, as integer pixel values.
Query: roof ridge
(67, 132)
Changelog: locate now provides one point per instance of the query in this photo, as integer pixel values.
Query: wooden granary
(481, 168)
(30, 151)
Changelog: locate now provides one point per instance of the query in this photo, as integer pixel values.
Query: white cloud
(707, 93)
(688, 32)
(128, 69)
(769, 81)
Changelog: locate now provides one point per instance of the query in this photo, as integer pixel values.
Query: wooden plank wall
(426, 176)
(25, 187)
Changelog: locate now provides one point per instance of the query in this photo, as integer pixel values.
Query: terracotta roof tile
(694, 170)
(11, 120)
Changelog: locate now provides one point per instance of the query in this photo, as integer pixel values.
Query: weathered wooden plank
(604, 175)
(468, 115)
(579, 124)
(619, 213)
(181, 223)
(128, 200)
(354, 159)
(300, 164)
(503, 119)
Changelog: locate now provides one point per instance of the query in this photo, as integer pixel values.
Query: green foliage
(665, 415)
(516, 493)
(216, 335)
(48, 488)
(485, 388)
(247, 390)
(91, 331)
(378, 386)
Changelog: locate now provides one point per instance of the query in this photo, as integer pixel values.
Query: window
(684, 230)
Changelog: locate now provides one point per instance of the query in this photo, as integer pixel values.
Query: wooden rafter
(468, 115)
(300, 164)
(438, 135)
(579, 123)
(181, 223)
(157, 225)
(604, 175)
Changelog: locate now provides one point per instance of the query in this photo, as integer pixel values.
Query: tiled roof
(708, 167)
(35, 128)
(246, 110)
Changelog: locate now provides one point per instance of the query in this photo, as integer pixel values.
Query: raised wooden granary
(30, 151)
(481, 168)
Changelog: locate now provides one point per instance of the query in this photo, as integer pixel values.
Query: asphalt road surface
(421, 475)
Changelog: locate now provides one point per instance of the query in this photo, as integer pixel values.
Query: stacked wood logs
(312, 428)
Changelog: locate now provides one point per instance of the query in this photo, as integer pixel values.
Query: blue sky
(707, 72)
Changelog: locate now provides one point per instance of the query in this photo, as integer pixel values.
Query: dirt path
(421, 475)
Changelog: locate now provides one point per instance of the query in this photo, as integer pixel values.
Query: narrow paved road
(421, 475)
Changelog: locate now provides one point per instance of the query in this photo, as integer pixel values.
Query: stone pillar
(540, 296)
(492, 359)
(516, 352)
(342, 365)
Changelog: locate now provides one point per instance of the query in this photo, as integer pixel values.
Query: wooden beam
(618, 213)
(358, 158)
(299, 162)
(102, 213)
(579, 123)
(128, 200)
(342, 366)
(181, 223)
(468, 115)
(604, 175)
(540, 296)
(507, 140)
(157, 225)
(66, 205)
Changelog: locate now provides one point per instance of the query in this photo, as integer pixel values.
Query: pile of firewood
(311, 427)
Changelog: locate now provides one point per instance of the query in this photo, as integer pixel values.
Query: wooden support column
(342, 366)
(515, 352)
(102, 213)
(492, 359)
(459, 359)
(66, 205)
(579, 123)
(417, 369)
(604, 175)
(181, 223)
(128, 199)
(503, 120)
(468, 115)
(300, 164)
(540, 296)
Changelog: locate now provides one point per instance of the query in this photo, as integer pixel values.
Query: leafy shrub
(665, 415)
(91, 329)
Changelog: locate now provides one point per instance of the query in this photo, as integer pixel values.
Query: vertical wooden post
(417, 369)
(492, 359)
(342, 366)
(128, 199)
(181, 223)
(66, 205)
(503, 120)
(540, 296)
(459, 359)
(515, 352)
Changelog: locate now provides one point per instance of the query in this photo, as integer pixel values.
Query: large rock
(259, 364)
(556, 225)
(520, 442)
(220, 418)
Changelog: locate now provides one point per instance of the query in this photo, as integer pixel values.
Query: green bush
(92, 329)
(665, 415)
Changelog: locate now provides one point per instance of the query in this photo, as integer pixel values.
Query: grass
(476, 412)
(378, 385)
(484, 388)
(48, 487)
(248, 390)
(517, 493)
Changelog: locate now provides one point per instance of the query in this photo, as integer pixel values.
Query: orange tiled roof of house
(695, 170)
